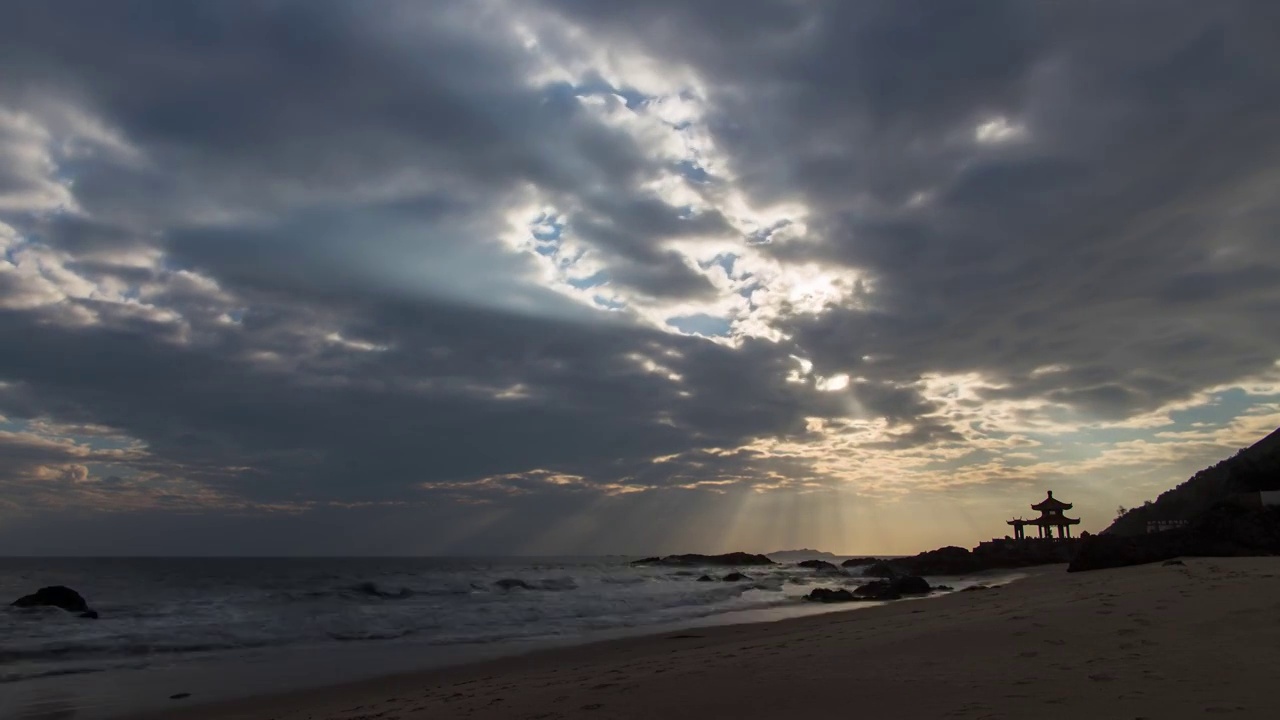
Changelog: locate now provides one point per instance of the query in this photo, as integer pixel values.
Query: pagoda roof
(1052, 520)
(1051, 503)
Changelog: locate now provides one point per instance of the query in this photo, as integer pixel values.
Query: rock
(705, 578)
(877, 590)
(1225, 530)
(910, 585)
(943, 588)
(372, 590)
(949, 560)
(859, 562)
(822, 565)
(735, 558)
(736, 577)
(973, 588)
(827, 595)
(512, 584)
(180, 696)
(880, 570)
(58, 596)
(893, 588)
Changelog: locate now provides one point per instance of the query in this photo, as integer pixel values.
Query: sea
(215, 628)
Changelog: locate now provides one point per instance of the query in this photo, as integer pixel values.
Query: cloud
(566, 259)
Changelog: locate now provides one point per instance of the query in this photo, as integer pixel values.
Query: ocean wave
(554, 583)
(372, 635)
(125, 649)
(46, 673)
(223, 608)
(623, 579)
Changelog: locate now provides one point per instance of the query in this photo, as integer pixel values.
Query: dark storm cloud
(363, 424)
(1122, 226)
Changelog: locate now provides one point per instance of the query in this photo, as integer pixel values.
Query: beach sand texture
(1200, 639)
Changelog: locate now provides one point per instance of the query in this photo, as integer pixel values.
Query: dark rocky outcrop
(1237, 479)
(736, 577)
(859, 562)
(58, 596)
(821, 565)
(735, 558)
(877, 590)
(512, 584)
(893, 588)
(993, 555)
(827, 595)
(910, 585)
(1226, 530)
(705, 578)
(881, 570)
(949, 560)
(372, 590)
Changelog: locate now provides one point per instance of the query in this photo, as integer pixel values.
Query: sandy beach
(1155, 641)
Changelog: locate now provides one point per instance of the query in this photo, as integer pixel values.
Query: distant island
(801, 554)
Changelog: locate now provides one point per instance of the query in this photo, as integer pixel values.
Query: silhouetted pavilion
(1051, 517)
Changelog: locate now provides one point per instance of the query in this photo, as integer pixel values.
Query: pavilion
(1051, 517)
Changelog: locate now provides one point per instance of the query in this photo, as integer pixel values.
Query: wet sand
(1158, 641)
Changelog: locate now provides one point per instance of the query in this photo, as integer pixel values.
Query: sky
(593, 276)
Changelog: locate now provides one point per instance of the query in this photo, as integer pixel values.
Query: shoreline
(221, 678)
(1153, 641)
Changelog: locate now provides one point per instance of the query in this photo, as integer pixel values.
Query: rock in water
(880, 570)
(372, 590)
(893, 588)
(736, 577)
(878, 590)
(821, 565)
(704, 578)
(910, 585)
(512, 584)
(58, 596)
(734, 558)
(859, 562)
(827, 595)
